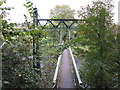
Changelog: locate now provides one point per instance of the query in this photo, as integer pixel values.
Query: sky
(44, 6)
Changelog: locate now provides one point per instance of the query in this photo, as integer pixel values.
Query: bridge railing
(78, 81)
(55, 79)
(3, 44)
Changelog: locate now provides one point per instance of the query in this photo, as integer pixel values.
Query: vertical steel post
(69, 35)
(60, 36)
(35, 42)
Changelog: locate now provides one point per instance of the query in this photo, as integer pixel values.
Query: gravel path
(66, 76)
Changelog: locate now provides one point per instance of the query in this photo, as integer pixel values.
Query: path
(66, 76)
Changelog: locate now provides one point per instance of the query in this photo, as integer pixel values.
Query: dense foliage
(98, 46)
(17, 55)
(96, 43)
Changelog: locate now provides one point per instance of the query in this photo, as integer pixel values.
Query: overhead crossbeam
(64, 22)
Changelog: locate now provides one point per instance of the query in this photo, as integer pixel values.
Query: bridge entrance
(66, 73)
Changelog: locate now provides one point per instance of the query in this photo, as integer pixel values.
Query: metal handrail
(80, 83)
(3, 44)
(55, 79)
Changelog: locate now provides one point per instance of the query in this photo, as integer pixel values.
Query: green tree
(17, 65)
(100, 47)
(62, 12)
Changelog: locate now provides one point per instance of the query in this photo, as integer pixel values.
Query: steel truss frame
(59, 22)
(51, 22)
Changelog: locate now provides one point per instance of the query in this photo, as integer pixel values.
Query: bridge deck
(66, 76)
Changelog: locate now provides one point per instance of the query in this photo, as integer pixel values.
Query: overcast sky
(44, 6)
